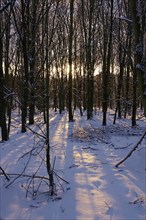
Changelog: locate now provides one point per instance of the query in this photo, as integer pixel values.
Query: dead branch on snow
(135, 147)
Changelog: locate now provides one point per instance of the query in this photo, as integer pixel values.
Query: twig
(59, 183)
(28, 186)
(129, 154)
(91, 148)
(107, 205)
(61, 178)
(36, 191)
(3, 172)
(34, 132)
(116, 148)
(21, 172)
(26, 175)
(40, 135)
(25, 154)
(32, 180)
(41, 130)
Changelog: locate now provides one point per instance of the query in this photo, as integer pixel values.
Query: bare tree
(138, 15)
(70, 57)
(3, 125)
(107, 47)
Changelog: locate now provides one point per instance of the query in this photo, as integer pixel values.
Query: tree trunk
(70, 61)
(144, 40)
(89, 63)
(24, 42)
(32, 54)
(106, 62)
(3, 124)
(134, 98)
(48, 156)
(138, 49)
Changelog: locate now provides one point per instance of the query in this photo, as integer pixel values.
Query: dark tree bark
(134, 105)
(24, 42)
(32, 57)
(104, 79)
(88, 23)
(106, 61)
(3, 124)
(70, 61)
(138, 37)
(89, 63)
(144, 56)
(127, 87)
(48, 42)
(7, 57)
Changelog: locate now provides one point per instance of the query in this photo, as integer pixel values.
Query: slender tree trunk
(104, 79)
(134, 105)
(106, 63)
(70, 61)
(144, 43)
(89, 61)
(24, 41)
(61, 91)
(84, 88)
(3, 124)
(79, 88)
(127, 105)
(32, 54)
(48, 156)
(7, 24)
(12, 90)
(127, 90)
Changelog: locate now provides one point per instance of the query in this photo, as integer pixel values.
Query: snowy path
(97, 190)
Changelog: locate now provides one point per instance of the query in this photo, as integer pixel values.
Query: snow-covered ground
(84, 155)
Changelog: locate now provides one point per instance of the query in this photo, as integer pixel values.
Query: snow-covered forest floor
(84, 155)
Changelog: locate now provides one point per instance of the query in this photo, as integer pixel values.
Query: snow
(84, 154)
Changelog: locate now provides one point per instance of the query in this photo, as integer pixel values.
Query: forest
(72, 109)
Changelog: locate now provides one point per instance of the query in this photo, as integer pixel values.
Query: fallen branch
(135, 147)
(31, 176)
(26, 175)
(116, 148)
(90, 148)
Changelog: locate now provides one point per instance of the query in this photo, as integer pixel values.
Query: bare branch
(4, 7)
(129, 154)
(3, 172)
(26, 175)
